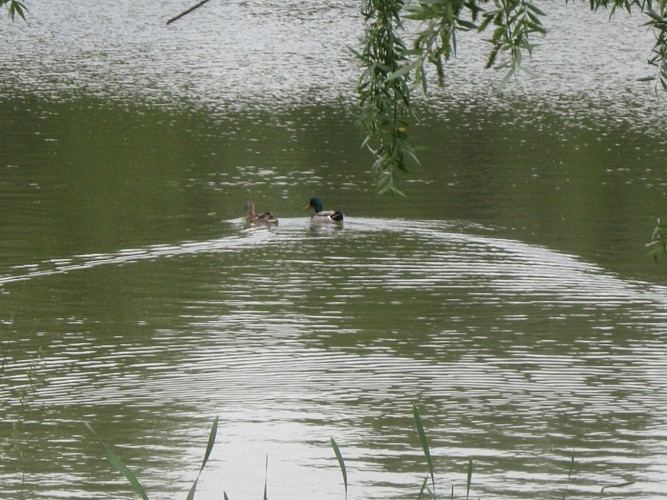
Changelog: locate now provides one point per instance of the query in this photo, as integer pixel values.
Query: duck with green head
(323, 216)
(252, 218)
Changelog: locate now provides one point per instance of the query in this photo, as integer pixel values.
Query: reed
(120, 466)
(14, 446)
(341, 463)
(427, 489)
(469, 479)
(617, 485)
(425, 447)
(209, 448)
(266, 478)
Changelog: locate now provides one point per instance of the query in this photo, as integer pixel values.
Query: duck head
(316, 204)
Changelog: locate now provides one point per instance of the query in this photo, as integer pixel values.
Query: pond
(509, 295)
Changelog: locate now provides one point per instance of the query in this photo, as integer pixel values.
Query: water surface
(509, 295)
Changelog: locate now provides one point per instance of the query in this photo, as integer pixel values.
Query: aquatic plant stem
(341, 463)
(424, 443)
(119, 465)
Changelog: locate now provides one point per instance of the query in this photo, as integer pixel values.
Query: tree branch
(176, 18)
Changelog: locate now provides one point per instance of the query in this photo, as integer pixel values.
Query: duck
(266, 218)
(320, 215)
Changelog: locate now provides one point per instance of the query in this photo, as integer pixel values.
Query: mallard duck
(251, 217)
(321, 215)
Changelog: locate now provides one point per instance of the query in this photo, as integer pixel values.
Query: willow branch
(176, 18)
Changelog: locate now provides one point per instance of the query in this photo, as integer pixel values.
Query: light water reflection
(299, 54)
(509, 296)
(518, 356)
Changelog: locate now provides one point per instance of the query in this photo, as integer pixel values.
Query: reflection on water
(278, 54)
(507, 297)
(518, 356)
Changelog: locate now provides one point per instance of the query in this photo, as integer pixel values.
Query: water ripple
(505, 344)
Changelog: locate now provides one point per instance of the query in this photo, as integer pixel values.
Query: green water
(509, 294)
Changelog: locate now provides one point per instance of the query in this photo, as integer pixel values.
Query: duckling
(320, 215)
(266, 218)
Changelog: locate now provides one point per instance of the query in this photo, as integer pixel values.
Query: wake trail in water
(507, 265)
(57, 266)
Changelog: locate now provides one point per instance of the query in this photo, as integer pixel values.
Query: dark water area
(509, 294)
(574, 188)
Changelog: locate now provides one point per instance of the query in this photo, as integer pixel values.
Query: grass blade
(423, 488)
(119, 465)
(266, 477)
(207, 454)
(341, 463)
(469, 481)
(618, 485)
(424, 442)
(569, 474)
(211, 441)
